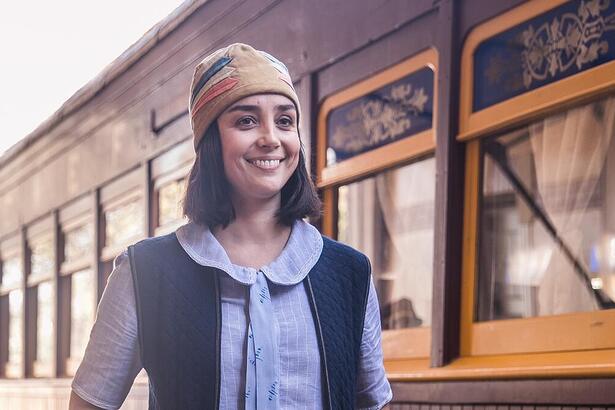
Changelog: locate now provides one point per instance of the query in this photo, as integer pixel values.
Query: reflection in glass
(123, 223)
(12, 272)
(81, 311)
(42, 257)
(390, 218)
(15, 326)
(547, 240)
(44, 323)
(169, 202)
(78, 242)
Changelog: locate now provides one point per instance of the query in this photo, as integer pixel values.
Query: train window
(377, 172)
(42, 257)
(11, 315)
(15, 332)
(170, 175)
(169, 198)
(539, 236)
(41, 294)
(82, 313)
(389, 216)
(123, 223)
(547, 240)
(45, 329)
(77, 287)
(12, 272)
(79, 243)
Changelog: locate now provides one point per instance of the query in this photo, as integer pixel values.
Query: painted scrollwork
(569, 39)
(380, 117)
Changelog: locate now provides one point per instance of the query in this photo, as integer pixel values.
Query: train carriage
(467, 147)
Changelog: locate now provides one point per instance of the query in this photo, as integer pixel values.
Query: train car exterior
(468, 147)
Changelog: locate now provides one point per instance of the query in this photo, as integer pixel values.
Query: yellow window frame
(578, 344)
(408, 346)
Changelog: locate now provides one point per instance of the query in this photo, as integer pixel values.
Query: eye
(246, 121)
(286, 121)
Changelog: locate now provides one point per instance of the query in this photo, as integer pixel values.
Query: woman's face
(260, 144)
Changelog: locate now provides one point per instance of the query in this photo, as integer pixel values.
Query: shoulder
(341, 254)
(155, 243)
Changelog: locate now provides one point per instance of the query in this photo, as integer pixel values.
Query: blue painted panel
(395, 111)
(564, 41)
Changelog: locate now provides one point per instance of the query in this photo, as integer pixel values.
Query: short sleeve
(112, 358)
(373, 388)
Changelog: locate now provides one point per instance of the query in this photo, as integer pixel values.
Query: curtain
(569, 152)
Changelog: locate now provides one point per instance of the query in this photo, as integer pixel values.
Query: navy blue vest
(178, 307)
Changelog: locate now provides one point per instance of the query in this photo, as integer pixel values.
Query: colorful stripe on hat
(215, 79)
(217, 89)
(211, 71)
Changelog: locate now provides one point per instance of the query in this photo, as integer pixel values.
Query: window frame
(11, 247)
(171, 166)
(40, 231)
(126, 189)
(577, 344)
(72, 217)
(409, 347)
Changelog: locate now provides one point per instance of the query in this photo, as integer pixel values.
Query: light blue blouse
(112, 361)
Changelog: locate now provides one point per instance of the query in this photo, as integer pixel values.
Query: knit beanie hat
(230, 74)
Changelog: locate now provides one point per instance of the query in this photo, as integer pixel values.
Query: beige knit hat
(230, 74)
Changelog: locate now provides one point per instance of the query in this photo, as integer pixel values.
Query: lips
(265, 163)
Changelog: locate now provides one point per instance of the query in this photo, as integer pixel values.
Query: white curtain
(569, 153)
(406, 197)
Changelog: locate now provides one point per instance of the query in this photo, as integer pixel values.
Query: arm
(112, 359)
(77, 403)
(373, 389)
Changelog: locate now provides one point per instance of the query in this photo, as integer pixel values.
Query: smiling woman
(247, 305)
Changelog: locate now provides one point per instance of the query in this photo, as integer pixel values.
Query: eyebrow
(255, 108)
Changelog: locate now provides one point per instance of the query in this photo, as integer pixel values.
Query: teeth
(266, 164)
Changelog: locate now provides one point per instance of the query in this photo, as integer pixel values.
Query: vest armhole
(368, 266)
(135, 283)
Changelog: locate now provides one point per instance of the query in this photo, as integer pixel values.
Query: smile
(265, 163)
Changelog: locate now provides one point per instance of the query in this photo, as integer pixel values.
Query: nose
(269, 137)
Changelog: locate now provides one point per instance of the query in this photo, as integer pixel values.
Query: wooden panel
(406, 343)
(42, 226)
(75, 208)
(121, 186)
(378, 55)
(449, 196)
(593, 363)
(513, 394)
(176, 157)
(590, 330)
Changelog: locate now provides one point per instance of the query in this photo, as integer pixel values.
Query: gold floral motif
(567, 40)
(379, 118)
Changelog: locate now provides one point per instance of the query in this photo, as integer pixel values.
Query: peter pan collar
(292, 265)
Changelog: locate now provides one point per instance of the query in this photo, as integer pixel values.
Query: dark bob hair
(208, 192)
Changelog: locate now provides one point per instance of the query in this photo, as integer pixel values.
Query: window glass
(547, 240)
(12, 272)
(44, 323)
(390, 218)
(169, 202)
(42, 257)
(81, 311)
(78, 242)
(15, 326)
(123, 223)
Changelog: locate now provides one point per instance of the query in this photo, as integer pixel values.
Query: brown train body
(117, 152)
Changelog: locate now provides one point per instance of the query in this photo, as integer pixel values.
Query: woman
(247, 306)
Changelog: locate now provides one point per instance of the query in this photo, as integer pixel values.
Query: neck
(255, 220)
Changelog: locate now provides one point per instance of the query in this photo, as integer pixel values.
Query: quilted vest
(179, 317)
